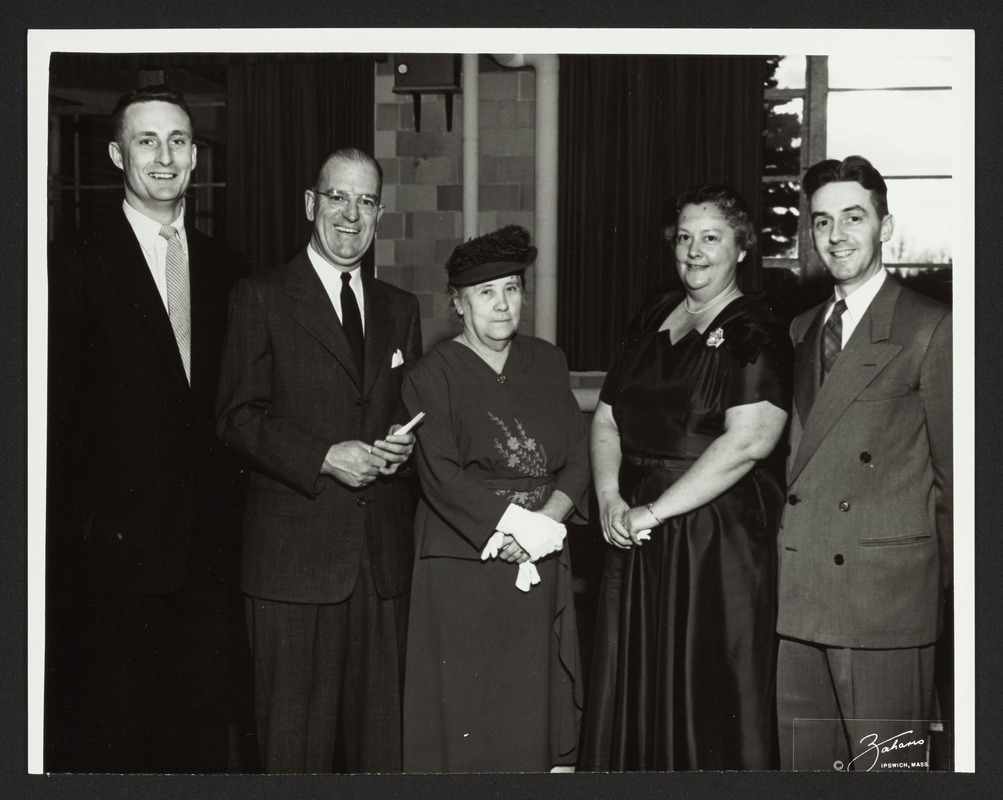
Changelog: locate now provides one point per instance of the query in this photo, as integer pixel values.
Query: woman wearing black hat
(492, 679)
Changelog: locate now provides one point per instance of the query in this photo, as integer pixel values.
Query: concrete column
(545, 273)
(471, 145)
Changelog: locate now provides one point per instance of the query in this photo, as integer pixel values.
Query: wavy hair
(728, 201)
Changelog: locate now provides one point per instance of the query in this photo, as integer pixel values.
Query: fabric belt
(529, 492)
(660, 463)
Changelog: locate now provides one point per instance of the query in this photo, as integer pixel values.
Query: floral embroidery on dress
(521, 451)
(533, 499)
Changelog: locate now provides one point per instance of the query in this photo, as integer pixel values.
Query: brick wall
(423, 173)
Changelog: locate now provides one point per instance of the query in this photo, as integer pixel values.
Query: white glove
(536, 533)
(493, 547)
(528, 576)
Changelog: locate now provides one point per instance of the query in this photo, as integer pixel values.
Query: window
(891, 110)
(783, 162)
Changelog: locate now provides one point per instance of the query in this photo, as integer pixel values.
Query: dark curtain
(636, 131)
(282, 119)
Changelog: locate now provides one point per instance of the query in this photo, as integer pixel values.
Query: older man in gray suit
(866, 535)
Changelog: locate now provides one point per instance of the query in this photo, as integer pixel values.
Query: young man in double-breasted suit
(310, 392)
(143, 498)
(866, 535)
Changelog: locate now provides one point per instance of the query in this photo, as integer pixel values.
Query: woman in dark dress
(683, 675)
(491, 681)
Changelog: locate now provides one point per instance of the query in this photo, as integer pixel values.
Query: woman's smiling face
(706, 251)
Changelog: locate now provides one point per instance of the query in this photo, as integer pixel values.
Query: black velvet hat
(506, 251)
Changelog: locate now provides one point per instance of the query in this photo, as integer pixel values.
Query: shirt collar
(326, 269)
(147, 231)
(139, 219)
(859, 300)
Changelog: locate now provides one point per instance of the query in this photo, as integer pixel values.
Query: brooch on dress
(715, 338)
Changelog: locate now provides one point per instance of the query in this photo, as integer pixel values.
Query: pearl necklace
(711, 304)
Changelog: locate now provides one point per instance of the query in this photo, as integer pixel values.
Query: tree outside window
(893, 110)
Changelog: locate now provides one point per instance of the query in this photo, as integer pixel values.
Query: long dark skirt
(491, 683)
(684, 671)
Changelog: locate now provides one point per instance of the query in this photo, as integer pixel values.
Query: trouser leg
(374, 677)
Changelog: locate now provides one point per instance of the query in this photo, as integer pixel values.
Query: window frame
(69, 193)
(814, 145)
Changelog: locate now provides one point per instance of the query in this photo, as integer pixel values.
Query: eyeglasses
(337, 199)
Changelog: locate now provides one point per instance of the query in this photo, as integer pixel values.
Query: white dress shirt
(153, 245)
(857, 303)
(330, 276)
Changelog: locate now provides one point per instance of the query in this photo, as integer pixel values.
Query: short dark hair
(356, 156)
(852, 169)
(728, 201)
(160, 92)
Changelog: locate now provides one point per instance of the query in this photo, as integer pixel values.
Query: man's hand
(353, 463)
(394, 450)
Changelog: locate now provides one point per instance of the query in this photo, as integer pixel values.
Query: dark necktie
(179, 296)
(832, 338)
(351, 320)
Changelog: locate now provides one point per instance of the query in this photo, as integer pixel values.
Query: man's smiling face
(156, 154)
(344, 208)
(848, 232)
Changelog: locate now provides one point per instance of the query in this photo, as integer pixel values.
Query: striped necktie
(179, 307)
(832, 339)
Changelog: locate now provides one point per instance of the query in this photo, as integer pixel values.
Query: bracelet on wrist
(651, 511)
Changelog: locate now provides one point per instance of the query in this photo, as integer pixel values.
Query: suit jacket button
(838, 559)
(793, 499)
(865, 457)
(360, 501)
(844, 506)
(358, 401)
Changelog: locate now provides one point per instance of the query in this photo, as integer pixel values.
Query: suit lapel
(316, 314)
(379, 331)
(201, 278)
(127, 269)
(806, 365)
(865, 355)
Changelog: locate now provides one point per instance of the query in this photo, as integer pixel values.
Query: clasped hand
(357, 464)
(511, 551)
(623, 526)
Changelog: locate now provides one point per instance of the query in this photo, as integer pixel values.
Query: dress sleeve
(644, 323)
(611, 384)
(573, 477)
(470, 509)
(762, 359)
(623, 363)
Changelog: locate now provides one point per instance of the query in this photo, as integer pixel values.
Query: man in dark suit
(144, 500)
(310, 391)
(866, 537)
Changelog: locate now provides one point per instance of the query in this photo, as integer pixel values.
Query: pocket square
(397, 360)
